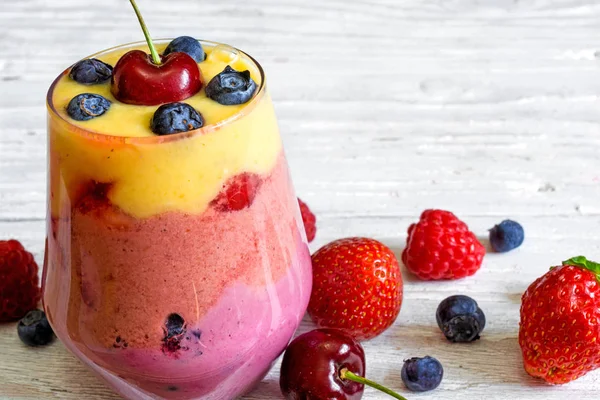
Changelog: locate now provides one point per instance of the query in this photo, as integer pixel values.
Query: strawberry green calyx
(581, 261)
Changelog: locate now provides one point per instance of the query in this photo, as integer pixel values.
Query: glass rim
(97, 136)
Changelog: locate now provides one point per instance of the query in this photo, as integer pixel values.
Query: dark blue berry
(231, 87)
(460, 318)
(34, 329)
(506, 236)
(87, 106)
(174, 118)
(422, 374)
(188, 45)
(91, 71)
(174, 331)
(174, 325)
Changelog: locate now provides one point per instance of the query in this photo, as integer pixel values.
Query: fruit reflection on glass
(177, 264)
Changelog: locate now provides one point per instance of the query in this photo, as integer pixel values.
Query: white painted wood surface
(488, 108)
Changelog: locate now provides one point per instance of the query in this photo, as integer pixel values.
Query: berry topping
(34, 329)
(559, 332)
(357, 287)
(238, 193)
(440, 246)
(174, 330)
(91, 71)
(19, 291)
(137, 80)
(325, 364)
(174, 118)
(309, 220)
(231, 87)
(506, 236)
(142, 79)
(86, 106)
(188, 45)
(422, 374)
(460, 318)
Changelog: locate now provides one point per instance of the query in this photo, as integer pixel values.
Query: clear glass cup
(147, 280)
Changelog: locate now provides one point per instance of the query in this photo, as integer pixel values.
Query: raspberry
(309, 220)
(19, 291)
(238, 193)
(440, 246)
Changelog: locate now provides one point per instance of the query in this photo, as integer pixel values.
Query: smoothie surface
(134, 120)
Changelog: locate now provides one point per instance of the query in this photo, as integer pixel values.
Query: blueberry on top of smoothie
(231, 87)
(91, 71)
(188, 45)
(86, 106)
(174, 118)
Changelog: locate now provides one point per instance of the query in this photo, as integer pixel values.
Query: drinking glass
(149, 279)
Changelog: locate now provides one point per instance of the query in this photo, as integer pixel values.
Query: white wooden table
(487, 108)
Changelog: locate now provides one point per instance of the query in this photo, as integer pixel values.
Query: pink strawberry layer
(241, 337)
(240, 280)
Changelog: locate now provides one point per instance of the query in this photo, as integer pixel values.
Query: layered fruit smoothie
(176, 264)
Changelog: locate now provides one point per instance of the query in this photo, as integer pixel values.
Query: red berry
(440, 246)
(137, 80)
(312, 364)
(19, 291)
(238, 193)
(309, 220)
(559, 331)
(357, 287)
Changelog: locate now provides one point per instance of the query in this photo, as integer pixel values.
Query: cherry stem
(153, 52)
(345, 374)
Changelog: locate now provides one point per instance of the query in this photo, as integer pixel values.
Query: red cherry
(137, 80)
(325, 364)
(312, 365)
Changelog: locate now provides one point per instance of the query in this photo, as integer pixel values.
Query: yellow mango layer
(152, 174)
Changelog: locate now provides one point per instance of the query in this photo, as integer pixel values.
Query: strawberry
(309, 220)
(238, 193)
(440, 246)
(357, 287)
(559, 332)
(19, 291)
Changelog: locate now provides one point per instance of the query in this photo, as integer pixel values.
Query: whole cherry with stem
(150, 79)
(326, 364)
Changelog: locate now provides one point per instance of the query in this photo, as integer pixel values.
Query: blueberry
(188, 45)
(506, 236)
(460, 318)
(91, 71)
(174, 118)
(87, 106)
(174, 325)
(174, 331)
(34, 329)
(422, 374)
(231, 87)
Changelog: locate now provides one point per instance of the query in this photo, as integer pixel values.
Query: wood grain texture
(488, 108)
